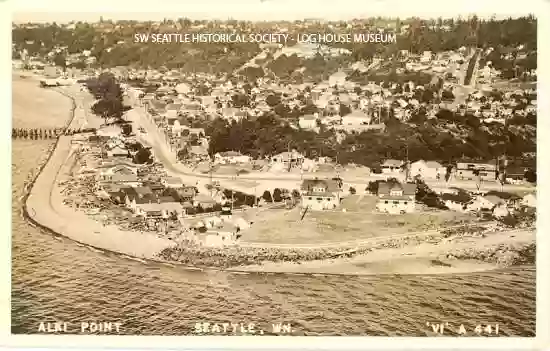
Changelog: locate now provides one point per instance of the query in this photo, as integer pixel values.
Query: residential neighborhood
(203, 178)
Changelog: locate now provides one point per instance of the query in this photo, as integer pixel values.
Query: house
(427, 169)
(396, 198)
(130, 179)
(392, 166)
(187, 193)
(320, 194)
(175, 124)
(204, 201)
(231, 157)
(356, 118)
(338, 79)
(455, 202)
(222, 236)
(501, 210)
(109, 131)
(307, 122)
(288, 159)
(121, 169)
(529, 200)
(481, 203)
(515, 175)
(172, 182)
(426, 57)
(159, 210)
(118, 151)
(172, 110)
(198, 153)
(472, 171)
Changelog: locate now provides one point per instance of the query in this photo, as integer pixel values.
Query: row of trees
(269, 135)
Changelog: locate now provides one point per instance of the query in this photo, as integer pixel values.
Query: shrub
(267, 196)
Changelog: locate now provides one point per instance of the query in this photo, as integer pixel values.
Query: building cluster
(154, 200)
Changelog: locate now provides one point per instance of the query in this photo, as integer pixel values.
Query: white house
(307, 122)
(320, 194)
(355, 118)
(426, 57)
(529, 200)
(172, 182)
(484, 203)
(338, 79)
(159, 210)
(396, 198)
(288, 159)
(231, 157)
(392, 166)
(427, 169)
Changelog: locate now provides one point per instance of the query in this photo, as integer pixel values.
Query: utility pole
(289, 156)
(407, 162)
(210, 171)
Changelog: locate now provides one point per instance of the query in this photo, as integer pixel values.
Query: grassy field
(360, 221)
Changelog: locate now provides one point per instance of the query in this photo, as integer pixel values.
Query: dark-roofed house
(473, 170)
(396, 198)
(320, 194)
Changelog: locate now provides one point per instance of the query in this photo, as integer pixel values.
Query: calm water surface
(58, 280)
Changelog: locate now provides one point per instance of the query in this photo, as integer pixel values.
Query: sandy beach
(45, 206)
(35, 107)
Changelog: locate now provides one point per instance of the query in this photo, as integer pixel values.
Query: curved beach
(44, 206)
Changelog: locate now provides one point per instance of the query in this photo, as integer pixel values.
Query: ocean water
(57, 280)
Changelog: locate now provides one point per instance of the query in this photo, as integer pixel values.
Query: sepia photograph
(272, 174)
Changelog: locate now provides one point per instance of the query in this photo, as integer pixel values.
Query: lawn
(360, 221)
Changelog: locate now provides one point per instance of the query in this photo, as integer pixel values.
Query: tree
(352, 190)
(267, 196)
(109, 94)
(447, 95)
(60, 60)
(273, 100)
(182, 154)
(372, 187)
(126, 129)
(531, 176)
(143, 156)
(240, 100)
(277, 195)
(344, 110)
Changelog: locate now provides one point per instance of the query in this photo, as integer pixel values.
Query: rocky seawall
(233, 256)
(505, 255)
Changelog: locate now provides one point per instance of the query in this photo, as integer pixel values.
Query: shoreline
(47, 176)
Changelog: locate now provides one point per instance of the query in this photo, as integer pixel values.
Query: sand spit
(44, 206)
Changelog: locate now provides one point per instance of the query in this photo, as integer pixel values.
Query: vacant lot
(360, 221)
